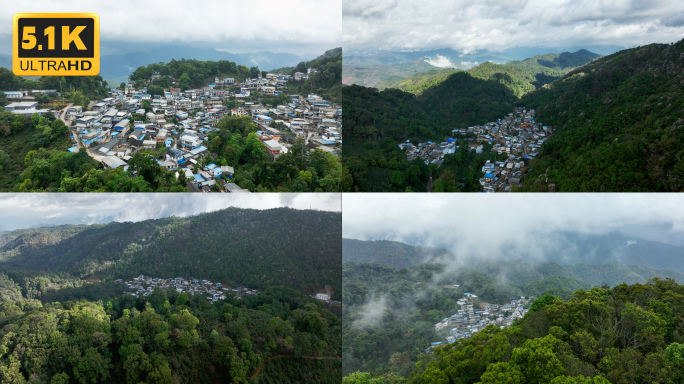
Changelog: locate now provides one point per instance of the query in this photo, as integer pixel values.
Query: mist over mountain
(392, 253)
(567, 248)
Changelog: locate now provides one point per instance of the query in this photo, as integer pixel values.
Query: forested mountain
(255, 248)
(278, 336)
(520, 76)
(620, 124)
(392, 253)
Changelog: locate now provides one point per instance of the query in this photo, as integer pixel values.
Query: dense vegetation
(169, 338)
(237, 144)
(389, 313)
(620, 124)
(59, 171)
(376, 122)
(189, 73)
(255, 248)
(19, 136)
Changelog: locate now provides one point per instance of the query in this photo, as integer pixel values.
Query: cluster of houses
(181, 121)
(142, 286)
(518, 135)
(469, 320)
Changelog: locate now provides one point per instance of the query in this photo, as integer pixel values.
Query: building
(273, 147)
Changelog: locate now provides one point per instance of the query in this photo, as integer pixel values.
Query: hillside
(619, 124)
(299, 249)
(327, 80)
(392, 253)
(627, 334)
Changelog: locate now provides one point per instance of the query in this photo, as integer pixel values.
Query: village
(115, 128)
(469, 320)
(517, 135)
(142, 286)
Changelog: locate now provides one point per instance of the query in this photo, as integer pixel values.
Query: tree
(184, 82)
(147, 106)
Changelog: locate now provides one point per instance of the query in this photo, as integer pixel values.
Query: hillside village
(115, 128)
(469, 320)
(142, 286)
(518, 135)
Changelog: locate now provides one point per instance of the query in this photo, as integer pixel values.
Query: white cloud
(482, 224)
(268, 24)
(440, 62)
(28, 210)
(497, 25)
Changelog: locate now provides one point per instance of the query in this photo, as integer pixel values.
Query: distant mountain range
(116, 66)
(568, 249)
(519, 76)
(382, 69)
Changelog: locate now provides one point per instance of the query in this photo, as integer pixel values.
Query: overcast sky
(480, 224)
(372, 25)
(29, 210)
(295, 26)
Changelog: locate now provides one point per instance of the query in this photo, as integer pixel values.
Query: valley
(442, 305)
(615, 124)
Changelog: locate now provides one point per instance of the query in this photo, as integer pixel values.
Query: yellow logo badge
(56, 44)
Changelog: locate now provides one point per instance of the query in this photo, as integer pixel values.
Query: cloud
(28, 210)
(483, 225)
(496, 25)
(674, 20)
(371, 313)
(266, 24)
(440, 61)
